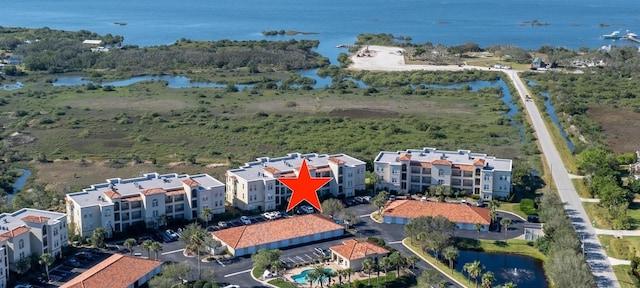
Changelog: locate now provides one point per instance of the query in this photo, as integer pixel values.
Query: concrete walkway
(617, 232)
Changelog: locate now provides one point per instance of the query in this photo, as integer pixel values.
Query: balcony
(168, 199)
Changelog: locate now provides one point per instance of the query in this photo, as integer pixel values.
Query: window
(486, 186)
(21, 254)
(21, 245)
(440, 172)
(394, 180)
(440, 182)
(55, 231)
(487, 177)
(155, 213)
(394, 170)
(154, 203)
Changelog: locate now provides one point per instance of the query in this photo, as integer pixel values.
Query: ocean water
(571, 23)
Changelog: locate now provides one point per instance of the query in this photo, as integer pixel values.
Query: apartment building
(26, 232)
(417, 170)
(255, 185)
(151, 199)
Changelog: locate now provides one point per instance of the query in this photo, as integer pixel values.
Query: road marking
(220, 262)
(174, 251)
(365, 215)
(310, 258)
(301, 259)
(237, 273)
(394, 242)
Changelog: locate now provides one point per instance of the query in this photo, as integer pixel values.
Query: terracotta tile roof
(478, 162)
(323, 169)
(116, 271)
(130, 199)
(336, 160)
(175, 192)
(153, 191)
(352, 249)
(35, 219)
(426, 165)
(288, 175)
(464, 167)
(271, 170)
(274, 231)
(405, 157)
(14, 232)
(190, 182)
(309, 167)
(458, 213)
(441, 162)
(112, 194)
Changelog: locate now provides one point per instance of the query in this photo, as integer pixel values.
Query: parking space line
(174, 251)
(364, 216)
(310, 258)
(294, 262)
(301, 259)
(237, 273)
(394, 242)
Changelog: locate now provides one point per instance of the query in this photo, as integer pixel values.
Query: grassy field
(620, 248)
(624, 277)
(148, 123)
(511, 246)
(581, 188)
(600, 215)
(513, 208)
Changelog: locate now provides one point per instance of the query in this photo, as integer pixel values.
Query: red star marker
(304, 187)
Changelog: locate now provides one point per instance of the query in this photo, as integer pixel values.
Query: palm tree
(129, 243)
(310, 277)
(330, 274)
(509, 285)
(321, 272)
(451, 254)
(386, 263)
(198, 241)
(474, 269)
(398, 260)
(367, 266)
(277, 266)
(206, 213)
(146, 245)
(412, 261)
(46, 260)
(494, 216)
(488, 279)
(505, 222)
(155, 247)
(341, 272)
(97, 238)
(477, 227)
(348, 272)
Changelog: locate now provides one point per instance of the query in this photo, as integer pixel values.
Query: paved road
(597, 258)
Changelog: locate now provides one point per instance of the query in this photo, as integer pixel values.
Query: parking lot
(236, 222)
(76, 264)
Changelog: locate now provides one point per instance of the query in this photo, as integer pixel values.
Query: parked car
(392, 197)
(84, 255)
(348, 202)
(366, 199)
(74, 263)
(322, 251)
(222, 224)
(245, 220)
(308, 209)
(172, 234)
(358, 199)
(270, 215)
(157, 236)
(533, 218)
(480, 203)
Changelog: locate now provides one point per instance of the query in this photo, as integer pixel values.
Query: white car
(231, 286)
(172, 234)
(245, 220)
(269, 215)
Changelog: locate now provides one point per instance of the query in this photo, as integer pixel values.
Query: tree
(277, 266)
(321, 273)
(477, 227)
(509, 285)
(397, 260)
(265, 258)
(178, 272)
(311, 277)
(198, 242)
(190, 230)
(146, 245)
(348, 272)
(505, 222)
(474, 269)
(488, 279)
(97, 238)
(130, 243)
(206, 213)
(494, 216)
(341, 273)
(350, 218)
(451, 253)
(368, 267)
(155, 247)
(331, 207)
(429, 278)
(46, 260)
(159, 281)
(412, 260)
(386, 264)
(380, 200)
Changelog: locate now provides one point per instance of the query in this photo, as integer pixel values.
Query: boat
(120, 23)
(613, 35)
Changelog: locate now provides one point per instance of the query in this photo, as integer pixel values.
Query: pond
(19, 184)
(552, 113)
(9, 87)
(525, 272)
(175, 82)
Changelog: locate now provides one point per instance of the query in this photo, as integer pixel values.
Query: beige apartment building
(26, 232)
(150, 199)
(255, 185)
(417, 170)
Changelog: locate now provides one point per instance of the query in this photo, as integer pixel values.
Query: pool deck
(329, 265)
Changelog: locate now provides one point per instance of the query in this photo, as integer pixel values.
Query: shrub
(199, 284)
(620, 247)
(527, 206)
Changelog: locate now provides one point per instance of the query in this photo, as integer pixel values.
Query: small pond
(9, 87)
(176, 82)
(525, 272)
(552, 113)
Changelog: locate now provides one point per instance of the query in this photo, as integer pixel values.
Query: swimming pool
(302, 277)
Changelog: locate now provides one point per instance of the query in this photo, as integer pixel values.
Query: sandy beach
(383, 58)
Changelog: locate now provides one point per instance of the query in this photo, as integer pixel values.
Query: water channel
(552, 113)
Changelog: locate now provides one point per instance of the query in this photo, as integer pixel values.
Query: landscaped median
(455, 276)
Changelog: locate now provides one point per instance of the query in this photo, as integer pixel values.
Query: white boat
(631, 34)
(613, 35)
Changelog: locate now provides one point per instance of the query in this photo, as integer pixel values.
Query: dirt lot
(620, 126)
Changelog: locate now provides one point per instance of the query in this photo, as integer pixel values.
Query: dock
(346, 46)
(633, 39)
